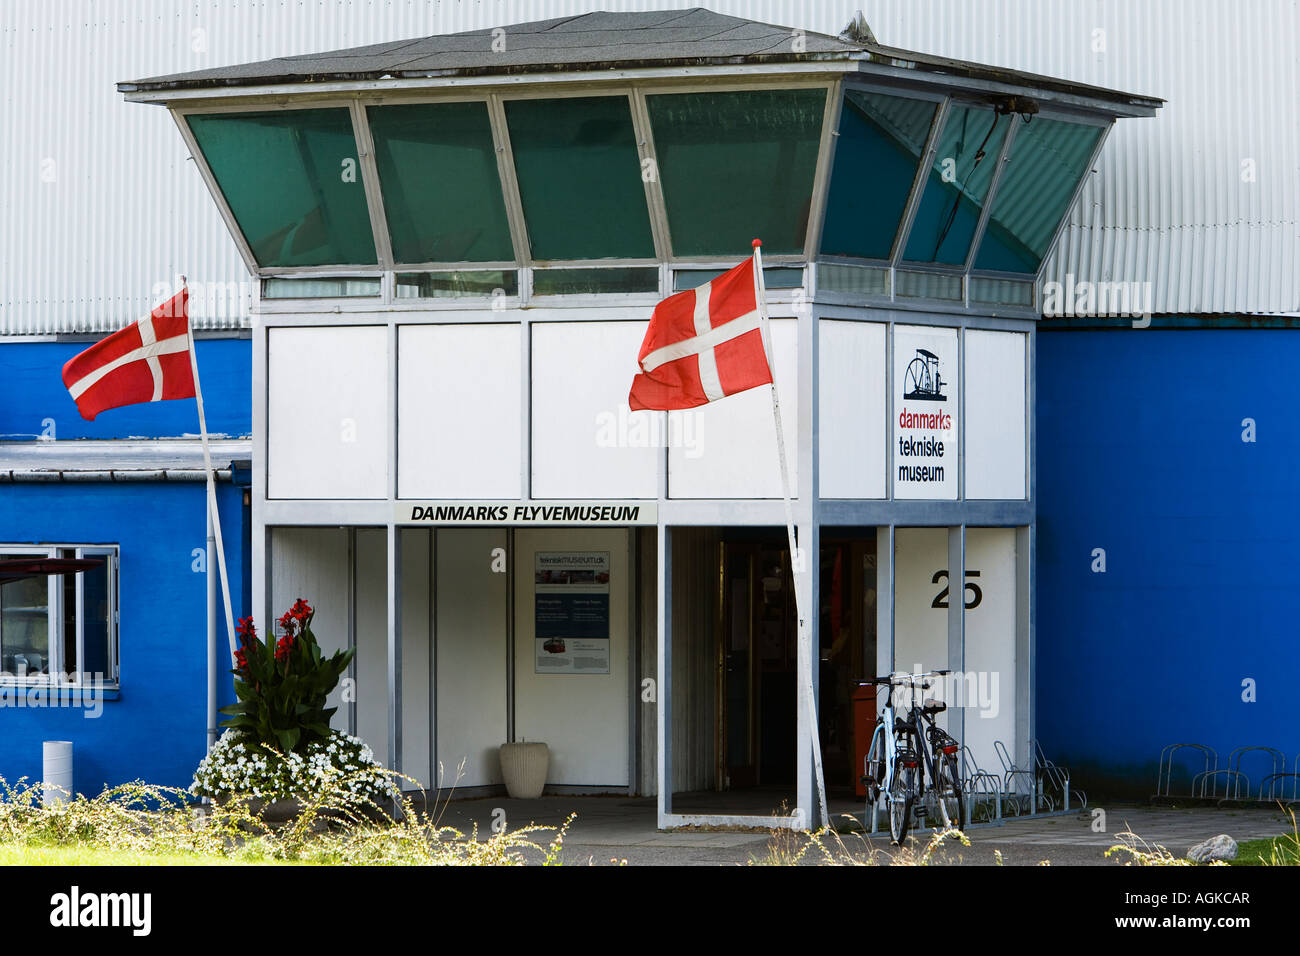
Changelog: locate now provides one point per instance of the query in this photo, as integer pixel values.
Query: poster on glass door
(926, 394)
(571, 612)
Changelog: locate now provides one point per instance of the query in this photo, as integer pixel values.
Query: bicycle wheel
(952, 802)
(901, 787)
(874, 772)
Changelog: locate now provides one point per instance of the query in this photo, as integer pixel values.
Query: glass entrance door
(758, 664)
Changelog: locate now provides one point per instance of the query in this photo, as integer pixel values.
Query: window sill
(101, 690)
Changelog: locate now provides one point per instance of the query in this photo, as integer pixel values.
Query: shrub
(339, 762)
(136, 821)
(281, 688)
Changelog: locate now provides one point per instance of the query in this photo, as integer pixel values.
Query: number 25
(941, 599)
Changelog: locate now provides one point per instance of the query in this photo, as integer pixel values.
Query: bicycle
(900, 758)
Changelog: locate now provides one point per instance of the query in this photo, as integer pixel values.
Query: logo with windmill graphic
(921, 380)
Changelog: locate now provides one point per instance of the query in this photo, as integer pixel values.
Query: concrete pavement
(613, 829)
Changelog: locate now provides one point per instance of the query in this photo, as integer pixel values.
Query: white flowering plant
(337, 769)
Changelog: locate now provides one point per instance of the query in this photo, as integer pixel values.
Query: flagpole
(796, 560)
(214, 514)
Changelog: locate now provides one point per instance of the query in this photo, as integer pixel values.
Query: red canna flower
(300, 610)
(245, 629)
(282, 648)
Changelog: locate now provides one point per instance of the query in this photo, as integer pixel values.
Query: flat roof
(118, 459)
(606, 41)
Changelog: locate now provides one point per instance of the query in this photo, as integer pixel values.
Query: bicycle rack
(1277, 788)
(1278, 766)
(1165, 769)
(1232, 779)
(1012, 796)
(979, 785)
(1059, 777)
(1277, 779)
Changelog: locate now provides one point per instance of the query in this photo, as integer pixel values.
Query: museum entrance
(759, 654)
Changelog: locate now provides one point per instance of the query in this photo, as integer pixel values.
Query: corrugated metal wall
(99, 204)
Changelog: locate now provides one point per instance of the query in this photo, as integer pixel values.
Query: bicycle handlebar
(899, 680)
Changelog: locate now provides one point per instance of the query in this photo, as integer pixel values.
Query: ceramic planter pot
(524, 766)
(279, 811)
(274, 811)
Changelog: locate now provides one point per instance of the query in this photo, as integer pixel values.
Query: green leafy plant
(281, 688)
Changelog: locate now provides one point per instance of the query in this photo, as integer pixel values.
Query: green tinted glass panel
(582, 281)
(775, 277)
(737, 166)
(320, 288)
(442, 190)
(1046, 161)
(957, 184)
(580, 178)
(876, 157)
(292, 181)
(438, 285)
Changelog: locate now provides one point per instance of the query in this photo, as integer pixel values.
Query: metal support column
(805, 793)
(394, 648)
(663, 696)
(957, 628)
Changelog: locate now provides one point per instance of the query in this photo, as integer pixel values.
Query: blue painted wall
(1140, 452)
(156, 729)
(31, 390)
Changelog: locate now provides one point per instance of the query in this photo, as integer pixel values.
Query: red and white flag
(148, 361)
(702, 345)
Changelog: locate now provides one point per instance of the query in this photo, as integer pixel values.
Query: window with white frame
(60, 627)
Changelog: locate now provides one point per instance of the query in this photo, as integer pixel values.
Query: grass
(1271, 851)
(1283, 850)
(25, 855)
(828, 847)
(139, 824)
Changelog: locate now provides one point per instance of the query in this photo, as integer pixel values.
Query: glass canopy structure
(942, 185)
(924, 182)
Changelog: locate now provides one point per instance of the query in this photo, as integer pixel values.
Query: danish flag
(148, 361)
(702, 345)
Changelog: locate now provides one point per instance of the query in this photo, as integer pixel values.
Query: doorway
(759, 652)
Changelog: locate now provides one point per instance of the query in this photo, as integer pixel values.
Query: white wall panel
(852, 409)
(989, 678)
(372, 639)
(586, 442)
(920, 629)
(327, 412)
(473, 662)
(458, 411)
(312, 564)
(995, 414)
(734, 454)
(583, 717)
